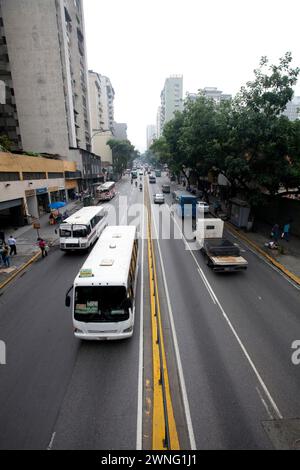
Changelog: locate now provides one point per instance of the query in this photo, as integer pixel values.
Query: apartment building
(171, 99)
(151, 135)
(120, 130)
(43, 64)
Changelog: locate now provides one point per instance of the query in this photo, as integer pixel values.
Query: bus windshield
(65, 231)
(100, 304)
(80, 231)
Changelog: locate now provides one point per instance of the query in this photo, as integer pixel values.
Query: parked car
(159, 198)
(203, 206)
(166, 188)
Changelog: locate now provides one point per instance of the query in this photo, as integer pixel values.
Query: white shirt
(11, 241)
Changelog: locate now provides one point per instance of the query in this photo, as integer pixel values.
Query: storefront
(12, 213)
(42, 201)
(32, 206)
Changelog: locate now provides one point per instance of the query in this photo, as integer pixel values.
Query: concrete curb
(15, 274)
(278, 265)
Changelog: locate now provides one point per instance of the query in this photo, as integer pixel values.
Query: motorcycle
(141, 187)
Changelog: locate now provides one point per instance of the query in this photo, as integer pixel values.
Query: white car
(159, 198)
(202, 206)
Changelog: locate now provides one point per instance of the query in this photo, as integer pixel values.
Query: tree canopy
(123, 153)
(247, 139)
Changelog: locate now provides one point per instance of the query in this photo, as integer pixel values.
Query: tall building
(151, 135)
(101, 133)
(43, 64)
(171, 98)
(158, 122)
(292, 110)
(215, 94)
(108, 96)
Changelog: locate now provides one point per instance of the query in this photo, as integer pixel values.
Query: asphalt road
(235, 332)
(56, 390)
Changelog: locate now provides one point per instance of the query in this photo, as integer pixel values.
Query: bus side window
(88, 229)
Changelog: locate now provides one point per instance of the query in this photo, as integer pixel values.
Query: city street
(228, 336)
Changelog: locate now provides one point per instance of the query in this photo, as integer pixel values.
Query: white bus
(82, 229)
(104, 290)
(106, 191)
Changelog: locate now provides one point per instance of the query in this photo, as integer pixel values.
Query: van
(166, 188)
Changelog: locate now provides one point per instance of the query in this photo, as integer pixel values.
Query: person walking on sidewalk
(286, 231)
(43, 247)
(5, 256)
(12, 245)
(275, 232)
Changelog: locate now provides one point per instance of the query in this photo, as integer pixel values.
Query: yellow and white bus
(82, 229)
(104, 290)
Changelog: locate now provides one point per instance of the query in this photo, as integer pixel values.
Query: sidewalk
(26, 238)
(286, 258)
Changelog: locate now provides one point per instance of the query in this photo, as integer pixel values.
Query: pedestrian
(286, 232)
(43, 247)
(12, 245)
(5, 256)
(275, 232)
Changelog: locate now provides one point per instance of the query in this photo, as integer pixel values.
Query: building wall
(27, 189)
(171, 98)
(47, 58)
(31, 34)
(101, 148)
(151, 135)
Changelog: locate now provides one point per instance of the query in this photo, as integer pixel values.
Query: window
(9, 176)
(34, 176)
(55, 175)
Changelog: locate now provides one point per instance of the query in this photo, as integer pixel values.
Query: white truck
(220, 253)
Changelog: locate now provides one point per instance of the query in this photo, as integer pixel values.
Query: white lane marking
(207, 286)
(243, 348)
(265, 404)
(52, 441)
(139, 427)
(176, 347)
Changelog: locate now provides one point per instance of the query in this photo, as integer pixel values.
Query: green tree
(123, 153)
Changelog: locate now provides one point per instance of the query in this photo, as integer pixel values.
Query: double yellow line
(164, 432)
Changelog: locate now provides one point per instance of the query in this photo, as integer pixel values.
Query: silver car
(159, 198)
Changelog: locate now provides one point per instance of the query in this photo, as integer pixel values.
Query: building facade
(29, 184)
(101, 133)
(215, 94)
(151, 135)
(171, 99)
(43, 64)
(292, 111)
(108, 96)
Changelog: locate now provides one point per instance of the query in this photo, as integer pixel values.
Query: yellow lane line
(159, 418)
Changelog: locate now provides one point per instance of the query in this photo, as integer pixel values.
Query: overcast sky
(139, 43)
